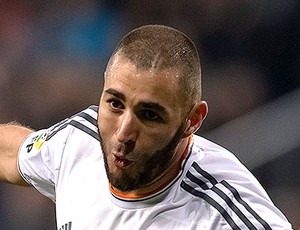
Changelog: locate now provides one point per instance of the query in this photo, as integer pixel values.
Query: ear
(196, 117)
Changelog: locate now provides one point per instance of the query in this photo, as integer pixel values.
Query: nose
(127, 130)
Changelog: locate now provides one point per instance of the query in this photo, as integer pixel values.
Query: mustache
(124, 148)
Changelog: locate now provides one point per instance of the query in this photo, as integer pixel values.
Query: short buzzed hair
(163, 47)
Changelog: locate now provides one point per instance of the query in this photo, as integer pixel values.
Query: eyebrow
(115, 93)
(153, 105)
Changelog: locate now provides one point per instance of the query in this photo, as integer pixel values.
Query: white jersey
(213, 190)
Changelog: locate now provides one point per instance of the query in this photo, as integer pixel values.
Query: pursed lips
(120, 154)
(121, 161)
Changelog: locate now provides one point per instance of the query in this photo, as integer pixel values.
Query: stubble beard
(152, 167)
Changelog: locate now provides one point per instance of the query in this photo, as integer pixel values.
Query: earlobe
(197, 115)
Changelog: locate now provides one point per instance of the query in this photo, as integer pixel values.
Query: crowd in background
(53, 55)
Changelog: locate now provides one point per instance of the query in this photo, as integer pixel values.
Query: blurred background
(53, 55)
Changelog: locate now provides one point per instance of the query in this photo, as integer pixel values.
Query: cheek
(153, 141)
(158, 140)
(105, 123)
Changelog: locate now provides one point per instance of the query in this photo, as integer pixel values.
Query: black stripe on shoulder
(205, 174)
(84, 129)
(227, 199)
(212, 202)
(63, 124)
(57, 128)
(233, 207)
(197, 181)
(94, 107)
(87, 117)
(78, 125)
(247, 207)
(223, 196)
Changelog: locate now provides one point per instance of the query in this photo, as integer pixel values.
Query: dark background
(53, 55)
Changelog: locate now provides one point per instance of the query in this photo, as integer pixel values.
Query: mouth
(121, 162)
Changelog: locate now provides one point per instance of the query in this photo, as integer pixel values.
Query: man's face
(141, 122)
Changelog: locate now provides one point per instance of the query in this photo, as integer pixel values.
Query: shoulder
(214, 157)
(214, 165)
(47, 143)
(215, 176)
(208, 146)
(85, 122)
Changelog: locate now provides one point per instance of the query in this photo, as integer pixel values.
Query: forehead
(157, 85)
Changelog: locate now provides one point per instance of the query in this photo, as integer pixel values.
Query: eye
(150, 115)
(115, 104)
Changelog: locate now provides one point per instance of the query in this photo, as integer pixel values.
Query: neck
(167, 176)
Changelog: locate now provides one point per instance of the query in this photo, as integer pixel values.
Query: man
(134, 161)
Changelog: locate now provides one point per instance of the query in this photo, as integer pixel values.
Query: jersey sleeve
(236, 197)
(42, 154)
(39, 160)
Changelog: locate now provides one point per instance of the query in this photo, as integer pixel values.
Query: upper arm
(11, 138)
